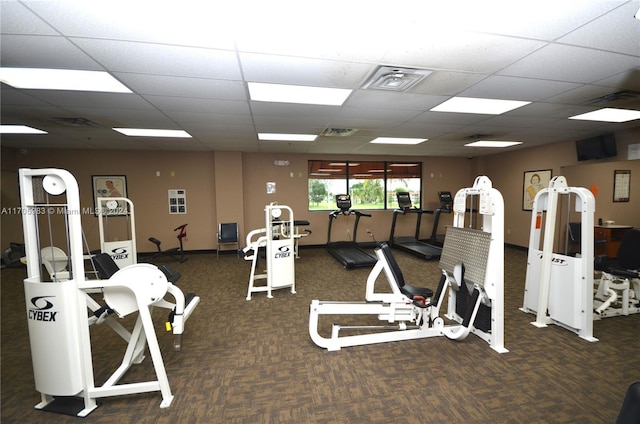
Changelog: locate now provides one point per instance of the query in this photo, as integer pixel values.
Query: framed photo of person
(109, 186)
(533, 182)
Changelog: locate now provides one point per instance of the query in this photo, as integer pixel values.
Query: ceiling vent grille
(75, 122)
(618, 96)
(392, 78)
(338, 132)
(477, 137)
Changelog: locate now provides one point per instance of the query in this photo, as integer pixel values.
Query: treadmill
(446, 206)
(348, 253)
(413, 244)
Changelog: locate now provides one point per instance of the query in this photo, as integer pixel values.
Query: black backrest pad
(105, 265)
(629, 252)
(393, 265)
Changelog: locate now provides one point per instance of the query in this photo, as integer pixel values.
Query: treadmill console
(404, 200)
(343, 201)
(446, 201)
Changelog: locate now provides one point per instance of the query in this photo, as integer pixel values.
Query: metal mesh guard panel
(469, 246)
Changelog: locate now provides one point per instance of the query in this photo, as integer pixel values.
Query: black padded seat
(412, 292)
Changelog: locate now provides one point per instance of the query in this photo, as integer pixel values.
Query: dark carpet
(254, 362)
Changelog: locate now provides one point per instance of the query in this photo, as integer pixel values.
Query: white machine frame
(616, 295)
(484, 268)
(559, 288)
(57, 311)
(279, 239)
(123, 252)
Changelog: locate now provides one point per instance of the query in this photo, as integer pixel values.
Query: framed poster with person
(533, 182)
(109, 186)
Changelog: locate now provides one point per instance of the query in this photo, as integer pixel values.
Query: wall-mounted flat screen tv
(603, 146)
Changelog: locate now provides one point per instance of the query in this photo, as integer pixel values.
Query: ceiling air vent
(619, 96)
(75, 122)
(392, 78)
(338, 132)
(478, 137)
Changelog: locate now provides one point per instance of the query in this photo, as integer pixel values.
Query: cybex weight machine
(278, 238)
(60, 310)
(121, 246)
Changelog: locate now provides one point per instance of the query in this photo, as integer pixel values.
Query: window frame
(324, 198)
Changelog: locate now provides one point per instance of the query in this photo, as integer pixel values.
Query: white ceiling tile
(569, 63)
(123, 56)
(616, 31)
(171, 86)
(44, 52)
(16, 18)
(303, 71)
(511, 88)
(461, 51)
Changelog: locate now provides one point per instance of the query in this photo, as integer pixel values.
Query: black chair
(419, 295)
(228, 234)
(627, 264)
(575, 234)
(630, 411)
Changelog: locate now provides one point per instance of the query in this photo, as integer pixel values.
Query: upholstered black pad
(629, 251)
(105, 265)
(410, 291)
(628, 257)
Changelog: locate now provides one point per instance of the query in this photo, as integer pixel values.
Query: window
(372, 185)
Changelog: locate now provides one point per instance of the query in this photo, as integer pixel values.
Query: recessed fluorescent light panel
(286, 137)
(396, 140)
(19, 129)
(142, 132)
(297, 94)
(609, 115)
(492, 143)
(61, 79)
(477, 105)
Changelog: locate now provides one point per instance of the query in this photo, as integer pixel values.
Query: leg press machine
(472, 261)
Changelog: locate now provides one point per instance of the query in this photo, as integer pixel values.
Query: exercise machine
(60, 310)
(618, 289)
(446, 206)
(277, 238)
(472, 265)
(182, 233)
(559, 287)
(12, 256)
(413, 244)
(120, 242)
(348, 253)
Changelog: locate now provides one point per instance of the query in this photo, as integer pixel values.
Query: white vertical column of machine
(555, 185)
(60, 347)
(559, 288)
(280, 248)
(491, 208)
(123, 252)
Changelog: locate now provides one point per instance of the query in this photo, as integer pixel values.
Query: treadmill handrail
(334, 214)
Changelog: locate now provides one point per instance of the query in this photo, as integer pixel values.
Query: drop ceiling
(188, 64)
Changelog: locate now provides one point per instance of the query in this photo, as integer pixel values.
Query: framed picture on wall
(533, 182)
(109, 186)
(621, 185)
